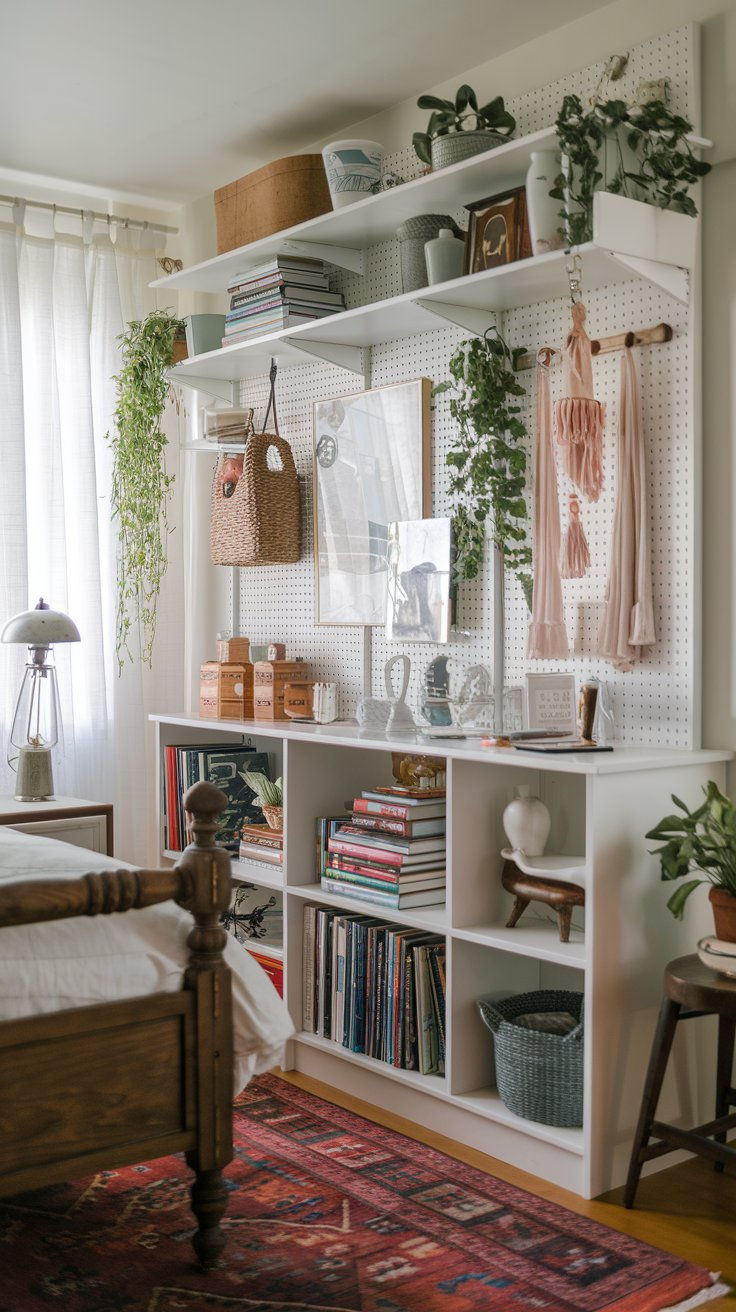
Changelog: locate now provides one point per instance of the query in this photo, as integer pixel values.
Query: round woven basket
(413, 234)
(455, 146)
(539, 1076)
(274, 816)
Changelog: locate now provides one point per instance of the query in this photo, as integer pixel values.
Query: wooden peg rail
(661, 332)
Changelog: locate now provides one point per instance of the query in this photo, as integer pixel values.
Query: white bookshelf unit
(601, 807)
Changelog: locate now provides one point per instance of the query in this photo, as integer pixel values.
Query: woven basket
(539, 1076)
(258, 520)
(456, 146)
(274, 816)
(413, 234)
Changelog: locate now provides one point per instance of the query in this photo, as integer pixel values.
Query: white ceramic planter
(353, 169)
(543, 210)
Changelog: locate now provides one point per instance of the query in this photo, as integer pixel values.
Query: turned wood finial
(204, 802)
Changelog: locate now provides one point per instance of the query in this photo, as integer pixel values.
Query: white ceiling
(171, 98)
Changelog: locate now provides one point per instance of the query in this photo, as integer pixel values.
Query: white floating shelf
(375, 218)
(527, 939)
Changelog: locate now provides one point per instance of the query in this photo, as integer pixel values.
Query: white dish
(718, 955)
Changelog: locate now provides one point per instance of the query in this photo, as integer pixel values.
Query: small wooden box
(269, 681)
(235, 650)
(226, 690)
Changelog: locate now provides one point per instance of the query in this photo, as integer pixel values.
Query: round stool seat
(693, 985)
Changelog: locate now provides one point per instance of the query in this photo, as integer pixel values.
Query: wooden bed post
(207, 875)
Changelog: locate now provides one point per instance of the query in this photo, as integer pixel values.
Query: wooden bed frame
(115, 1083)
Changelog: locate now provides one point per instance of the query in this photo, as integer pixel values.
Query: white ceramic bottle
(527, 821)
(445, 256)
(543, 210)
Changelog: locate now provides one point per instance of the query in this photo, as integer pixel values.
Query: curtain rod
(81, 212)
(661, 332)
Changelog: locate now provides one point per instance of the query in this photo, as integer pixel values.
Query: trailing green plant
(268, 792)
(140, 483)
(488, 461)
(652, 159)
(702, 840)
(460, 115)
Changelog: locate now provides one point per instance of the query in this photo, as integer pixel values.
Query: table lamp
(37, 716)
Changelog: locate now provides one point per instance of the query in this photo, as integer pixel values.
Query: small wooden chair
(691, 989)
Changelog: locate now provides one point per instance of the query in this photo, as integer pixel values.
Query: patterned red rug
(327, 1213)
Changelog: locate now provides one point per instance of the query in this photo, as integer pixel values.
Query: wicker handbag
(255, 516)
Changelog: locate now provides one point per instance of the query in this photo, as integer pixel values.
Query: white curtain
(64, 300)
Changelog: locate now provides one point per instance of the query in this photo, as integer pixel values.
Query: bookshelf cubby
(601, 808)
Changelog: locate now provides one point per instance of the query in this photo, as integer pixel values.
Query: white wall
(613, 29)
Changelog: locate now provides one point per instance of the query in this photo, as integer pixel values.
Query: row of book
(391, 851)
(281, 293)
(185, 765)
(375, 988)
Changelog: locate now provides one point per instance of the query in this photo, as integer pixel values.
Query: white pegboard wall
(655, 704)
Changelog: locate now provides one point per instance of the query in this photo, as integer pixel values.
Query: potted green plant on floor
(458, 128)
(140, 484)
(704, 842)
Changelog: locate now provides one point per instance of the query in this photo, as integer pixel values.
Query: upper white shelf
(376, 218)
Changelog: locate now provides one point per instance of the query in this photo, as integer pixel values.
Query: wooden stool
(688, 984)
(553, 893)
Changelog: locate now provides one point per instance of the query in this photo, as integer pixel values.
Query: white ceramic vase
(353, 169)
(543, 210)
(527, 821)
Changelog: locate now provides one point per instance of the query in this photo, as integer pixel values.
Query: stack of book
(185, 765)
(391, 851)
(261, 845)
(282, 293)
(375, 988)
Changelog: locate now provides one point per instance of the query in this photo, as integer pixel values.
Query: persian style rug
(327, 1213)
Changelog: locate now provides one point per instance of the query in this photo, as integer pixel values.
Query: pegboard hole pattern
(655, 703)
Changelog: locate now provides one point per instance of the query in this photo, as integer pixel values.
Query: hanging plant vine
(140, 483)
(488, 460)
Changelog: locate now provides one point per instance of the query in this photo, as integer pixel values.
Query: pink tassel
(578, 416)
(575, 555)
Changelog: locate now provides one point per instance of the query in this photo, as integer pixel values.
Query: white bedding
(70, 963)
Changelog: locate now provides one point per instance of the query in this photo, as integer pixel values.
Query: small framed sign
(551, 703)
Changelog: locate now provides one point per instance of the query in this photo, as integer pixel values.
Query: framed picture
(419, 572)
(498, 232)
(551, 703)
(371, 466)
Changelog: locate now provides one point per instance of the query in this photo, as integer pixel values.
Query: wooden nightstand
(70, 819)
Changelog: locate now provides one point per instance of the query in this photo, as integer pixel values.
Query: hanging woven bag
(256, 513)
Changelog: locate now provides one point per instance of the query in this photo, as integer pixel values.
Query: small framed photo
(551, 704)
(498, 232)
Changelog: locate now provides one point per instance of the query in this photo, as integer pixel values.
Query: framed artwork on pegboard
(371, 467)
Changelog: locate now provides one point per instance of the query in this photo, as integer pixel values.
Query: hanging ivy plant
(488, 460)
(140, 484)
(639, 151)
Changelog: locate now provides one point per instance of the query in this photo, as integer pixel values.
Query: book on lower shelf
(224, 766)
(273, 966)
(390, 860)
(255, 917)
(375, 988)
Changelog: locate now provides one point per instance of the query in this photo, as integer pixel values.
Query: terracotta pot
(724, 914)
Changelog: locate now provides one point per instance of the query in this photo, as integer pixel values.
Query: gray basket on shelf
(539, 1076)
(412, 235)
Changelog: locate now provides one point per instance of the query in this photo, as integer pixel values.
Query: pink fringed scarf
(578, 416)
(628, 622)
(547, 633)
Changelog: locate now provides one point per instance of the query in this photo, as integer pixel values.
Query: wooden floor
(687, 1209)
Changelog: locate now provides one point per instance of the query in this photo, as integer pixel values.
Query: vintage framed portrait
(551, 703)
(419, 580)
(498, 232)
(371, 467)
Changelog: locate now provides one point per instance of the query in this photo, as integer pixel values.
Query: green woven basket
(539, 1076)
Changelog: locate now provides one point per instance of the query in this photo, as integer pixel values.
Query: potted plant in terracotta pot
(704, 842)
(268, 795)
(458, 129)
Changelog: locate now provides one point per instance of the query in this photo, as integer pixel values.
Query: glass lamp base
(35, 781)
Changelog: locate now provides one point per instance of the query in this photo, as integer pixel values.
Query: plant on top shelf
(459, 128)
(638, 151)
(488, 461)
(703, 841)
(269, 795)
(140, 484)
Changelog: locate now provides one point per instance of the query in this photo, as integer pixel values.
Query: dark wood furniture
(107, 1085)
(560, 896)
(690, 990)
(43, 817)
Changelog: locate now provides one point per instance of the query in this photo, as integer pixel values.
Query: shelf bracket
(464, 316)
(346, 357)
(220, 388)
(343, 256)
(669, 277)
